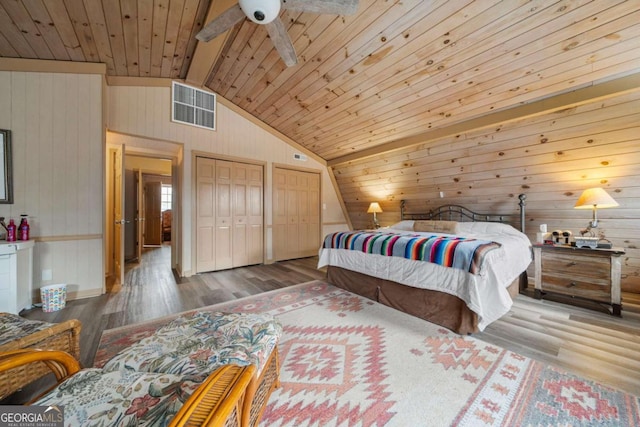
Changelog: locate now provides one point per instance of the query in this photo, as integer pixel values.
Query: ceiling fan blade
(282, 42)
(222, 23)
(331, 7)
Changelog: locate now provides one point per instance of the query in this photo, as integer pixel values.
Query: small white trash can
(54, 297)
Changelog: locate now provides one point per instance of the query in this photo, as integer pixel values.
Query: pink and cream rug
(348, 361)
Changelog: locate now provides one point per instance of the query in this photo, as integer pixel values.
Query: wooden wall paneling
(551, 158)
(224, 215)
(531, 137)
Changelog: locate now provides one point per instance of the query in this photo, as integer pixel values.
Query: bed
(460, 288)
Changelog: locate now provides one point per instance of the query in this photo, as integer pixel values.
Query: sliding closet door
(296, 215)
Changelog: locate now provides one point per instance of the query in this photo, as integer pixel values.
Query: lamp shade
(374, 207)
(595, 197)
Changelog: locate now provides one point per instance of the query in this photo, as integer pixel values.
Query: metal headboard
(460, 213)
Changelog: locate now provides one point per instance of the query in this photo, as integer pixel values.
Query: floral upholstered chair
(95, 397)
(197, 343)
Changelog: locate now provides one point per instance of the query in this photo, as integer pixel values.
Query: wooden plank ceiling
(394, 70)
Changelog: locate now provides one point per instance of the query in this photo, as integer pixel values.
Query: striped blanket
(449, 251)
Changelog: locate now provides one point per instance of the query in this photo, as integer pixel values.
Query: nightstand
(591, 275)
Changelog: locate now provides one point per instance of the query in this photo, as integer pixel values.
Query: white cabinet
(16, 275)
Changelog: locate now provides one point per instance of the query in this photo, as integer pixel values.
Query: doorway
(135, 183)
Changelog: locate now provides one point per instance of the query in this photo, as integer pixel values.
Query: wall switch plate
(47, 275)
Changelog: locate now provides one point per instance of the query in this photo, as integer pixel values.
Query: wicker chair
(63, 336)
(215, 402)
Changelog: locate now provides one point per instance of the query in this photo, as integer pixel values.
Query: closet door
(224, 215)
(205, 214)
(296, 214)
(279, 214)
(255, 214)
(229, 214)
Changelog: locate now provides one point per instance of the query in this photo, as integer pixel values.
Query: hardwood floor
(587, 342)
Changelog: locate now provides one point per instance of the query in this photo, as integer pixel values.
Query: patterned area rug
(348, 361)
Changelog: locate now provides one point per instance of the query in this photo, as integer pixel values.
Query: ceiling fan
(266, 12)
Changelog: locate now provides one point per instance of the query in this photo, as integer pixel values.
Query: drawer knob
(572, 263)
(572, 284)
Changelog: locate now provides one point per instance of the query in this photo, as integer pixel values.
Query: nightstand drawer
(567, 285)
(578, 268)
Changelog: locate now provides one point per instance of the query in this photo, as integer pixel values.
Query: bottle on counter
(23, 229)
(11, 231)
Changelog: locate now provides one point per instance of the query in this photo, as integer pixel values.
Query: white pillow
(406, 225)
(485, 227)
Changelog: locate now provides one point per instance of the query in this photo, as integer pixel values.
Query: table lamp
(594, 198)
(375, 208)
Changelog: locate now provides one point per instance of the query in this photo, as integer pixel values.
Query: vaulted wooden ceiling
(394, 70)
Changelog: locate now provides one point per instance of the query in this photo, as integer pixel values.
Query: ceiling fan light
(260, 11)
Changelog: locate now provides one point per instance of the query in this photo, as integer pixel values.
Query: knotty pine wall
(58, 155)
(551, 158)
(145, 111)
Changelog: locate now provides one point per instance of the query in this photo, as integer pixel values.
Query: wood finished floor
(583, 341)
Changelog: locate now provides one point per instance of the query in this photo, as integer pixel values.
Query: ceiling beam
(206, 54)
(584, 95)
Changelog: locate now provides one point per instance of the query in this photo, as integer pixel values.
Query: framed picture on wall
(6, 187)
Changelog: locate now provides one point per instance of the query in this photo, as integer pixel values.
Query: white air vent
(193, 106)
(301, 157)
